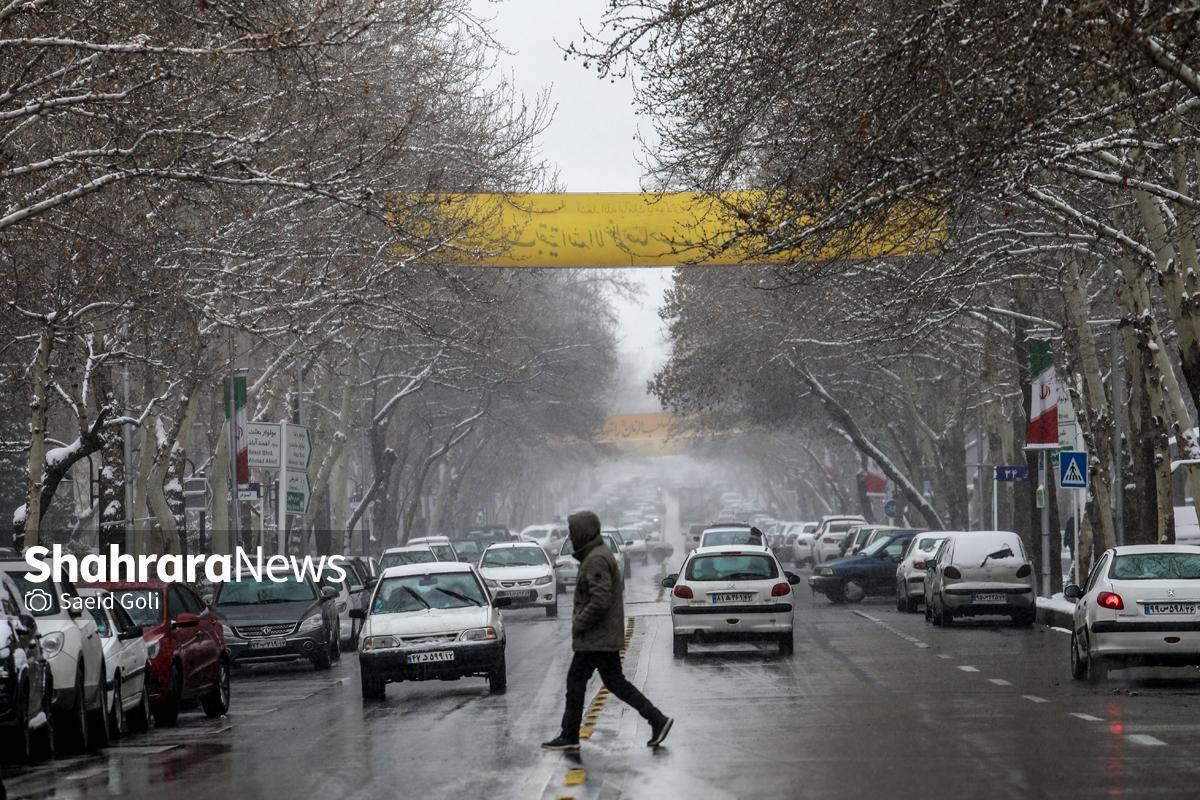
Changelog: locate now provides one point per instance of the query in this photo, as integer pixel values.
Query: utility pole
(235, 523)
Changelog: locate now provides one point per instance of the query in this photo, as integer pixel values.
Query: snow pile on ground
(1056, 603)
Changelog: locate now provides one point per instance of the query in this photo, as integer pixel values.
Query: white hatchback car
(910, 574)
(731, 592)
(521, 572)
(431, 621)
(441, 546)
(829, 534)
(125, 662)
(1140, 606)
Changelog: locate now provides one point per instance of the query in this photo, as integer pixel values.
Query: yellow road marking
(575, 777)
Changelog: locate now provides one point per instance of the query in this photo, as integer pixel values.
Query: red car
(185, 643)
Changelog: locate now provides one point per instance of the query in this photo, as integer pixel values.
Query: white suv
(548, 537)
(75, 653)
(521, 572)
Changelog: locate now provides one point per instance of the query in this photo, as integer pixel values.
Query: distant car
(566, 568)
(634, 544)
(268, 620)
(344, 601)
(693, 536)
(731, 592)
(984, 573)
(829, 535)
(468, 551)
(521, 572)
(1138, 607)
(732, 535)
(26, 721)
(440, 545)
(802, 547)
(185, 646)
(869, 573)
(910, 574)
(126, 660)
(409, 554)
(614, 544)
(549, 537)
(431, 621)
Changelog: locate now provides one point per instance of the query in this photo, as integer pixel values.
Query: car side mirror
(130, 633)
(358, 613)
(328, 593)
(185, 620)
(501, 602)
(792, 578)
(1072, 592)
(669, 581)
(74, 611)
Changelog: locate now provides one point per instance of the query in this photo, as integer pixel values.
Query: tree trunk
(29, 527)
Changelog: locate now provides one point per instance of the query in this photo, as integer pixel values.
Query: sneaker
(659, 731)
(561, 742)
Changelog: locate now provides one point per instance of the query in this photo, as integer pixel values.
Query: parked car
(268, 620)
(802, 545)
(125, 660)
(26, 721)
(549, 536)
(871, 572)
(985, 573)
(521, 572)
(368, 566)
(440, 545)
(1138, 607)
(185, 646)
(910, 574)
(342, 605)
(401, 640)
(633, 542)
(614, 544)
(72, 648)
(731, 592)
(409, 554)
(829, 535)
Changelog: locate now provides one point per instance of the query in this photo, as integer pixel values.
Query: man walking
(598, 634)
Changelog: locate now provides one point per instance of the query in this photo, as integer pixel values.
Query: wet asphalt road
(874, 703)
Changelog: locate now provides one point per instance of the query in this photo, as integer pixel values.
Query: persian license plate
(267, 644)
(430, 655)
(732, 597)
(988, 597)
(1151, 609)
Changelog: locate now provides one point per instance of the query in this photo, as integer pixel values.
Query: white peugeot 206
(430, 621)
(1140, 606)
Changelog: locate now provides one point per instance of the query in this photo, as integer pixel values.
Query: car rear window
(720, 538)
(424, 556)
(722, 567)
(972, 549)
(1156, 566)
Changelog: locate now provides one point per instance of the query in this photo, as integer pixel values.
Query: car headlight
(228, 632)
(491, 583)
(52, 643)
(152, 648)
(542, 581)
(827, 571)
(312, 623)
(379, 643)
(478, 634)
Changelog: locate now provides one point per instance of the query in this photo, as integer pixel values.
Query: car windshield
(444, 552)
(721, 538)
(422, 592)
(144, 605)
(894, 545)
(422, 556)
(1156, 566)
(724, 567)
(632, 535)
(249, 591)
(513, 557)
(44, 606)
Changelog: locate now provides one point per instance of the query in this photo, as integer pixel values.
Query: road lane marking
(1033, 698)
(1146, 739)
(968, 669)
(575, 777)
(999, 681)
(910, 639)
(1085, 717)
(945, 656)
(1057, 629)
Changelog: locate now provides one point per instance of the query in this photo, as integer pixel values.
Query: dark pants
(608, 664)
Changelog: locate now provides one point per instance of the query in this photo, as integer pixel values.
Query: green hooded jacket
(598, 621)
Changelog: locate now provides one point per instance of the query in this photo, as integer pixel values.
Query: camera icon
(39, 600)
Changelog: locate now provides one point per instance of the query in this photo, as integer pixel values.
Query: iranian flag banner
(1043, 402)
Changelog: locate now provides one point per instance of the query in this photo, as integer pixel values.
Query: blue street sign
(1014, 473)
(1072, 469)
(889, 508)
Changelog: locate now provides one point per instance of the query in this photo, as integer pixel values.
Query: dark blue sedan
(870, 572)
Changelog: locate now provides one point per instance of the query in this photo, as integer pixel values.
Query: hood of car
(505, 574)
(429, 621)
(268, 613)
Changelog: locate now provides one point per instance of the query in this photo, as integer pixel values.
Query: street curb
(1054, 617)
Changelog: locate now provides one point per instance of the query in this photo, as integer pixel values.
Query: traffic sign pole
(281, 517)
(1043, 479)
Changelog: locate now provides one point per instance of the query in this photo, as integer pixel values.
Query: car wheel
(935, 613)
(18, 745)
(138, 720)
(1097, 666)
(787, 644)
(901, 601)
(166, 710)
(498, 677)
(216, 702)
(855, 590)
(73, 723)
(337, 649)
(928, 613)
(552, 611)
(679, 646)
(947, 617)
(1079, 668)
(373, 688)
(323, 660)
(117, 726)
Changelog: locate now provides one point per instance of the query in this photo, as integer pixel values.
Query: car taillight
(781, 590)
(683, 592)
(1024, 571)
(918, 565)
(952, 573)
(1110, 600)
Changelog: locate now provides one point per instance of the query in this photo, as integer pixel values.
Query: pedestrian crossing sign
(1072, 469)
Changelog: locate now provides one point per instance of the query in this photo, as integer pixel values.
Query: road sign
(1007, 474)
(297, 492)
(250, 492)
(889, 508)
(298, 448)
(262, 444)
(195, 492)
(1073, 469)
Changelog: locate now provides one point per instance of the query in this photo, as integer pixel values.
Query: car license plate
(1169, 608)
(731, 597)
(267, 644)
(431, 655)
(989, 597)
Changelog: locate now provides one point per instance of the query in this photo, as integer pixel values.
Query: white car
(521, 572)
(980, 573)
(76, 657)
(731, 535)
(731, 592)
(910, 573)
(125, 662)
(634, 544)
(440, 545)
(430, 621)
(613, 540)
(799, 536)
(548, 537)
(409, 554)
(566, 568)
(1140, 606)
(344, 601)
(829, 534)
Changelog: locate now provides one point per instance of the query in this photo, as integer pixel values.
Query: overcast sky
(591, 141)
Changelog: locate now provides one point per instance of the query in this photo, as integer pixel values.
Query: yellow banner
(654, 230)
